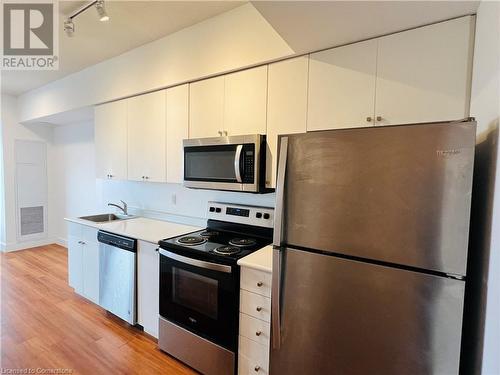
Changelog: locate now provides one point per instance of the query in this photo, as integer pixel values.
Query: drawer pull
(259, 309)
(260, 283)
(257, 368)
(258, 333)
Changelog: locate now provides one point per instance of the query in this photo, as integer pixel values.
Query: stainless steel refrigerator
(370, 250)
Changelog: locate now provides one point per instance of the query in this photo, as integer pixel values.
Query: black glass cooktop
(220, 241)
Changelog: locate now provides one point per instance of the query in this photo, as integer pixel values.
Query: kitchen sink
(104, 218)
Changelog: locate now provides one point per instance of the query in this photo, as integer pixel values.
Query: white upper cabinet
(424, 74)
(286, 107)
(147, 137)
(206, 108)
(177, 130)
(245, 102)
(342, 87)
(111, 140)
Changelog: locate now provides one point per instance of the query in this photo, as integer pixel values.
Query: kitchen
(168, 168)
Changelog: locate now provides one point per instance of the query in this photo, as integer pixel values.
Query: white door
(90, 261)
(206, 108)
(111, 140)
(177, 129)
(342, 87)
(286, 107)
(147, 137)
(75, 264)
(424, 74)
(245, 102)
(148, 278)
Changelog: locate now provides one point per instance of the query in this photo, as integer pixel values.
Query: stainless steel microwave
(235, 163)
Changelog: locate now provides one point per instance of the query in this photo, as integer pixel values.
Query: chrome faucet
(124, 208)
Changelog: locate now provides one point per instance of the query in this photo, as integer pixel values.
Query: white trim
(6, 248)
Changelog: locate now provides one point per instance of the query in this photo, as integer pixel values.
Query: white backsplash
(172, 201)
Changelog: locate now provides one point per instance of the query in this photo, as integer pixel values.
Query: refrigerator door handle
(280, 196)
(276, 299)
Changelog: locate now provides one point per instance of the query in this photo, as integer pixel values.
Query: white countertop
(260, 260)
(140, 228)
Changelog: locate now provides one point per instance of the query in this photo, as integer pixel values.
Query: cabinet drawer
(255, 305)
(246, 366)
(255, 352)
(255, 329)
(256, 281)
(89, 234)
(75, 230)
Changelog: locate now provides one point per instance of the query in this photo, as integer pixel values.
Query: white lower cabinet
(83, 261)
(148, 280)
(255, 327)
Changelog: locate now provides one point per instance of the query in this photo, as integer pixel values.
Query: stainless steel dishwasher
(117, 275)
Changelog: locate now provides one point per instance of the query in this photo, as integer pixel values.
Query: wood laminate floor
(45, 325)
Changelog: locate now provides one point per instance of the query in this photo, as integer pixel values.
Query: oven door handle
(237, 163)
(196, 262)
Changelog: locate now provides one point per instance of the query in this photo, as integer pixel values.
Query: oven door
(223, 163)
(201, 297)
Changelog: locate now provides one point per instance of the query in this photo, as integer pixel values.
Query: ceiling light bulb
(69, 27)
(101, 11)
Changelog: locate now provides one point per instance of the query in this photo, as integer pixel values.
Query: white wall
(232, 40)
(75, 188)
(482, 316)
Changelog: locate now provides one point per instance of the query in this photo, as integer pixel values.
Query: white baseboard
(62, 242)
(7, 248)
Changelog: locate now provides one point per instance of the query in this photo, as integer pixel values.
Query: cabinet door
(147, 137)
(342, 87)
(90, 262)
(424, 74)
(75, 264)
(111, 140)
(148, 279)
(206, 108)
(286, 107)
(177, 130)
(245, 102)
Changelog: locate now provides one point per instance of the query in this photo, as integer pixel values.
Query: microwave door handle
(237, 163)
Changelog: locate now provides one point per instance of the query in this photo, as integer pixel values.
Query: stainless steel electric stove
(199, 285)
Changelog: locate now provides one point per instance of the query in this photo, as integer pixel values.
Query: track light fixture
(101, 11)
(69, 26)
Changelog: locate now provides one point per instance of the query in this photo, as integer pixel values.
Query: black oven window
(210, 165)
(195, 292)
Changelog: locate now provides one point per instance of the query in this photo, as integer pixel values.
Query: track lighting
(69, 26)
(101, 11)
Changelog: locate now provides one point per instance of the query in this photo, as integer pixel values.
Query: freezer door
(346, 317)
(396, 194)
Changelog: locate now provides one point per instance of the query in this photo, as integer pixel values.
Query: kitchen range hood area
(235, 188)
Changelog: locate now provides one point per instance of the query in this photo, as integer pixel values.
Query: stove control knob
(267, 216)
(218, 209)
(212, 209)
(258, 215)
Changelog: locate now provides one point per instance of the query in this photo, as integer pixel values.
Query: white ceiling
(132, 23)
(312, 25)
